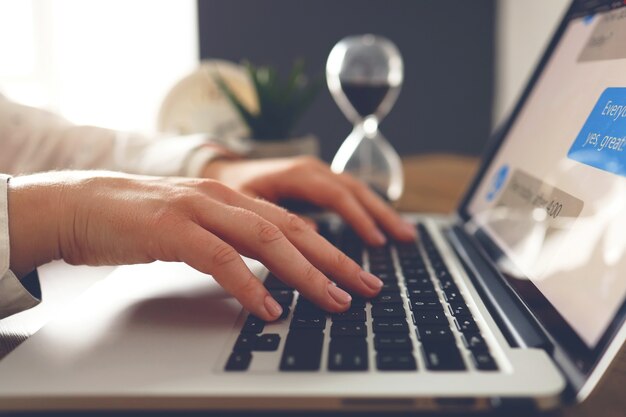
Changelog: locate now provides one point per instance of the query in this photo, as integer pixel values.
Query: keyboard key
(395, 361)
(390, 286)
(353, 314)
(382, 268)
(397, 325)
(238, 361)
(448, 284)
(423, 293)
(245, 342)
(387, 298)
(459, 308)
(466, 324)
(388, 310)
(284, 314)
(347, 354)
(273, 283)
(412, 260)
(483, 360)
(443, 358)
(392, 342)
(303, 350)
(253, 324)
(282, 297)
(474, 340)
(267, 342)
(435, 335)
(305, 308)
(387, 276)
(345, 329)
(426, 305)
(418, 282)
(308, 323)
(452, 295)
(430, 317)
(416, 272)
(357, 301)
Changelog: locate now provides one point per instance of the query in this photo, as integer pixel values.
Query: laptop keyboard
(431, 293)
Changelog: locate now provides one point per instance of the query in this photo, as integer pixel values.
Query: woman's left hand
(309, 179)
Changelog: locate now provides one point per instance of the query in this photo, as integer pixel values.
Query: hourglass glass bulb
(364, 75)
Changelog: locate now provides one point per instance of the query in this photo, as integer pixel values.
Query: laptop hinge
(511, 315)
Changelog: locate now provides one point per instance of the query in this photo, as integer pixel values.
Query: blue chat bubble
(601, 142)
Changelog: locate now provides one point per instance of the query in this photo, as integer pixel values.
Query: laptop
(516, 300)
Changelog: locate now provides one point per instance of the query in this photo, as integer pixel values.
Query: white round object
(197, 105)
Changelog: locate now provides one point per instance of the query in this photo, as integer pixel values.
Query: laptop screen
(553, 198)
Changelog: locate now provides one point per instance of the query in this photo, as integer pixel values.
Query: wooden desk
(434, 183)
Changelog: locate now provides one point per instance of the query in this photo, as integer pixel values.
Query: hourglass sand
(364, 75)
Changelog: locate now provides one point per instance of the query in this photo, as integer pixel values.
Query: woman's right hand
(104, 218)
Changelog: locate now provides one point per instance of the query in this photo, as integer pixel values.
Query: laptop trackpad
(144, 324)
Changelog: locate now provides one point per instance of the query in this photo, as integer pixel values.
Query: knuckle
(308, 160)
(338, 196)
(295, 224)
(248, 286)
(268, 232)
(224, 255)
(351, 181)
(311, 274)
(218, 190)
(343, 262)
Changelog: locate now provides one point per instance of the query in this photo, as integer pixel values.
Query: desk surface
(434, 183)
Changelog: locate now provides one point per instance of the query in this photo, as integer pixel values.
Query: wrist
(34, 209)
(213, 169)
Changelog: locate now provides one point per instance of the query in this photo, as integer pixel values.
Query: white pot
(304, 145)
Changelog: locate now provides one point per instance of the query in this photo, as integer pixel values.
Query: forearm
(34, 208)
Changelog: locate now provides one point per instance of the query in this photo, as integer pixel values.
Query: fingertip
(342, 298)
(377, 238)
(272, 308)
(372, 282)
(406, 231)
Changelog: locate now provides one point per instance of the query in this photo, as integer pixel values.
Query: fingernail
(338, 294)
(370, 280)
(379, 238)
(273, 307)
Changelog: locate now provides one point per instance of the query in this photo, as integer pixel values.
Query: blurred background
(112, 62)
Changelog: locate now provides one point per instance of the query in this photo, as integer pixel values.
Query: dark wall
(447, 46)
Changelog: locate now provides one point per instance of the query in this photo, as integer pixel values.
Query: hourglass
(364, 75)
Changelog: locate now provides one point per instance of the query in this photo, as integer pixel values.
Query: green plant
(281, 103)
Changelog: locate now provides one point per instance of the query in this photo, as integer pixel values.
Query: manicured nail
(370, 280)
(338, 294)
(379, 238)
(273, 307)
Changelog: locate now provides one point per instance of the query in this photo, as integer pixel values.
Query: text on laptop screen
(554, 196)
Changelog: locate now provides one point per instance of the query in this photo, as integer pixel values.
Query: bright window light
(99, 62)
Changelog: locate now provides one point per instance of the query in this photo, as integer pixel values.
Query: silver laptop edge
(158, 336)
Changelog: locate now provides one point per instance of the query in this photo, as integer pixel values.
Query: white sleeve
(35, 140)
(14, 297)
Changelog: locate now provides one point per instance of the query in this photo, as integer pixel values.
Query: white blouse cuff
(14, 297)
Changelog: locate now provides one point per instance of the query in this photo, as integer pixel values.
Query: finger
(383, 214)
(330, 260)
(253, 236)
(327, 192)
(207, 253)
(309, 221)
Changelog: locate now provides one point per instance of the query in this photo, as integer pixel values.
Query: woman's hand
(309, 179)
(103, 218)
